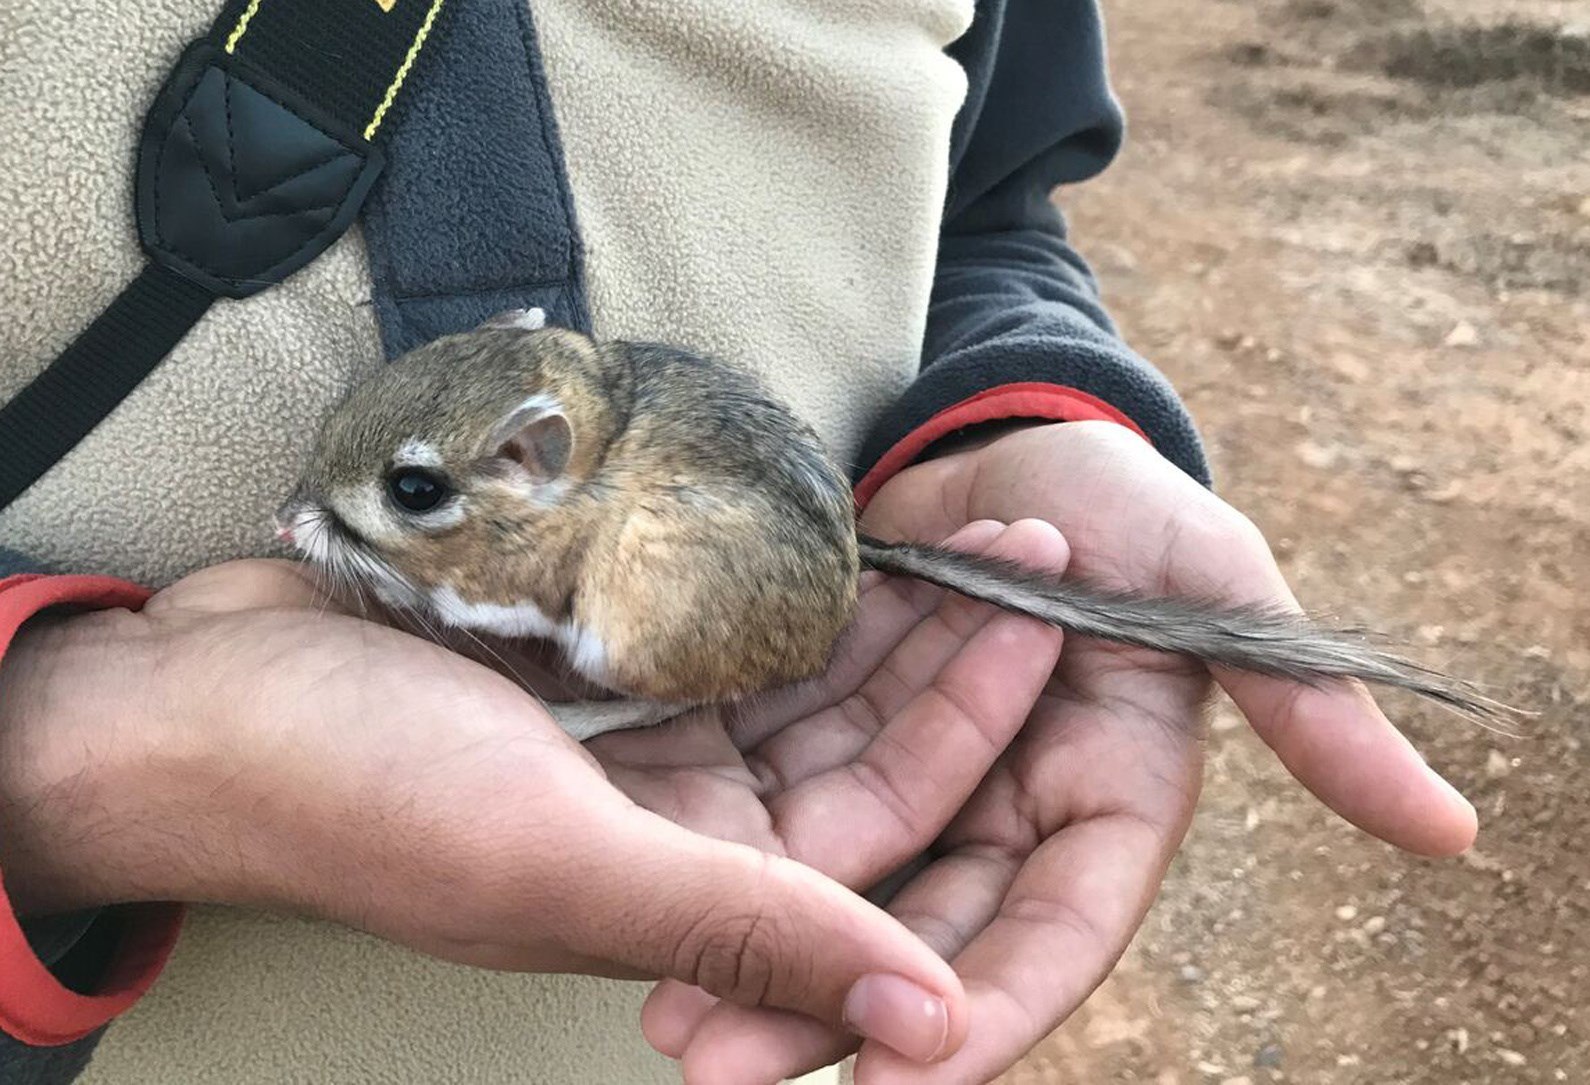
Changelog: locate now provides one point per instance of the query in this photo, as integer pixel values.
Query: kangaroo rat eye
(416, 490)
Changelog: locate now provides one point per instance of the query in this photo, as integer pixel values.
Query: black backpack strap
(256, 156)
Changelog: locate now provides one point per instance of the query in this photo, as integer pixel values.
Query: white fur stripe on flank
(508, 620)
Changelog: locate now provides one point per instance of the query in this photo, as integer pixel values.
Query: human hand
(1040, 882)
(233, 742)
(857, 772)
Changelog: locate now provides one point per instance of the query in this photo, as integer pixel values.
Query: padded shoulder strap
(256, 156)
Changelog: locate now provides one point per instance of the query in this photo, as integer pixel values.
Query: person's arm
(121, 767)
(1016, 329)
(64, 977)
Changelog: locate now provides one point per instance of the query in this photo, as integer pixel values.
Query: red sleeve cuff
(34, 1007)
(1045, 402)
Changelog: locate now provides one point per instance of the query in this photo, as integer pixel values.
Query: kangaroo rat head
(433, 482)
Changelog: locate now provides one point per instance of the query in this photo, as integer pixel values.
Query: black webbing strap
(256, 156)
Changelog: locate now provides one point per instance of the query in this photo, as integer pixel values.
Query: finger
(671, 1015)
(949, 702)
(737, 1045)
(1338, 743)
(1066, 919)
(945, 905)
(889, 610)
(1336, 740)
(1333, 738)
(751, 928)
(849, 722)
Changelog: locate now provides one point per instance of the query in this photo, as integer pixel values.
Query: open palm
(1039, 883)
(857, 771)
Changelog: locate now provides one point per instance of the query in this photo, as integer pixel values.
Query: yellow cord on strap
(403, 72)
(242, 26)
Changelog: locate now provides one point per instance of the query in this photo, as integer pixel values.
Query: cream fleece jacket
(728, 163)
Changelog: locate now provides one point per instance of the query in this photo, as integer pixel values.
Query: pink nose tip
(284, 533)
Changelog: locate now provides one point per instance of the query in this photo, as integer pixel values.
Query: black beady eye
(416, 490)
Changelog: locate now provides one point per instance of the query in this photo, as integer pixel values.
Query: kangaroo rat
(680, 533)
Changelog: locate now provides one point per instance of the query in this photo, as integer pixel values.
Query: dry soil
(1356, 233)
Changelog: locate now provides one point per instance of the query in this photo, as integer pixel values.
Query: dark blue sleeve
(13, 563)
(75, 948)
(1012, 302)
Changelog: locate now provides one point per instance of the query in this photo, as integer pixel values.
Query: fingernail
(898, 1014)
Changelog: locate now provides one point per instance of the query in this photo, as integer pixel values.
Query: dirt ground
(1356, 233)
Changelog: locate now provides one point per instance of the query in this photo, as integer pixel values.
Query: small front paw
(529, 320)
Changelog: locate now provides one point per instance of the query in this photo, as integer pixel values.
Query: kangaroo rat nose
(290, 520)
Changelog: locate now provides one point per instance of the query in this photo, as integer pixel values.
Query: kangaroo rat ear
(529, 320)
(538, 437)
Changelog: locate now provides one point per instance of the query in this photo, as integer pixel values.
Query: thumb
(1337, 742)
(758, 930)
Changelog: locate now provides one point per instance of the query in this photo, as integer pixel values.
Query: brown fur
(707, 560)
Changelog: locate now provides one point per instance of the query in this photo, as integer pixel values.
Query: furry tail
(1262, 640)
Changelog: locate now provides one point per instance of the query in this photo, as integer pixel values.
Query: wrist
(981, 435)
(75, 748)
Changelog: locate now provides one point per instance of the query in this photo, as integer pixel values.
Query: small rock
(1347, 913)
(1497, 764)
(1459, 1038)
(1244, 1003)
(1319, 457)
(1243, 1079)
(1350, 368)
(1423, 254)
(1584, 207)
(1213, 1069)
(1191, 973)
(1463, 334)
(1348, 1060)
(1403, 464)
(1269, 1056)
(1511, 1058)
(1480, 861)
(1374, 925)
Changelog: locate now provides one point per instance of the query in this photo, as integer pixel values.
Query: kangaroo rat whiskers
(681, 534)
